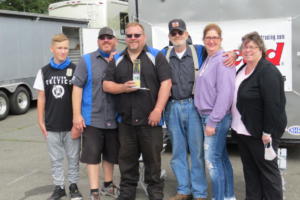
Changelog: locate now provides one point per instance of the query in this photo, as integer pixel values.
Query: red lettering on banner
(278, 52)
(275, 59)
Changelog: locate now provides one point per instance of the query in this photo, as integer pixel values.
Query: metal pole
(137, 10)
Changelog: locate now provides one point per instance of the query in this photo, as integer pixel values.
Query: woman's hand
(266, 138)
(209, 131)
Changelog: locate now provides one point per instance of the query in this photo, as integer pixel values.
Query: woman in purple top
(214, 91)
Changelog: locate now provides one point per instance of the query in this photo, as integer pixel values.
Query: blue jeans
(185, 131)
(217, 160)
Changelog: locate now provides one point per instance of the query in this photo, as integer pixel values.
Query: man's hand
(230, 58)
(111, 56)
(154, 117)
(43, 128)
(129, 86)
(209, 131)
(78, 122)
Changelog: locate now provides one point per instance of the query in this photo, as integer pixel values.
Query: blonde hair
(132, 24)
(59, 38)
(212, 27)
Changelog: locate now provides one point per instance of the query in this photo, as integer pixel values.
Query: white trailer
(25, 40)
(277, 21)
(99, 13)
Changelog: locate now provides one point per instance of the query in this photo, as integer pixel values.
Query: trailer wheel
(4, 105)
(20, 101)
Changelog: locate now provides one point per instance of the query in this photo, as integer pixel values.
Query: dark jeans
(134, 141)
(262, 177)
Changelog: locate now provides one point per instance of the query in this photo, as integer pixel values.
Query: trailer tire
(19, 101)
(4, 105)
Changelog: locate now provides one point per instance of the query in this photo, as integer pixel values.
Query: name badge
(69, 72)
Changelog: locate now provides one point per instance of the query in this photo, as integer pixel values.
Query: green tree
(35, 6)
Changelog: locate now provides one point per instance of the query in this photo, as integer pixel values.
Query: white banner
(276, 33)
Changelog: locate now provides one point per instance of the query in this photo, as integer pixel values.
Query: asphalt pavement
(25, 167)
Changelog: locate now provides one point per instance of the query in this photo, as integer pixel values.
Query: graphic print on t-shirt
(58, 91)
(57, 83)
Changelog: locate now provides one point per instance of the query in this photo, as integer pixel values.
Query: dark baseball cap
(106, 31)
(177, 24)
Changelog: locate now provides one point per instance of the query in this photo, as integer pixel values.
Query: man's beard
(179, 43)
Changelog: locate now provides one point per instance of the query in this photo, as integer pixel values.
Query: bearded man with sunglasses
(140, 111)
(94, 114)
(182, 119)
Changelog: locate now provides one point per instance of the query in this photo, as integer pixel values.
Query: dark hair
(212, 27)
(254, 37)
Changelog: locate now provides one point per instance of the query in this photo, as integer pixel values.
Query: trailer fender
(11, 87)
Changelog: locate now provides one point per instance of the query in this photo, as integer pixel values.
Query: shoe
(74, 192)
(94, 196)
(181, 197)
(111, 190)
(57, 193)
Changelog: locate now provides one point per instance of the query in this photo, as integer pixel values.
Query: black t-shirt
(135, 107)
(58, 93)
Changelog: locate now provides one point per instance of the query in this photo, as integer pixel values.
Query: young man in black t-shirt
(54, 108)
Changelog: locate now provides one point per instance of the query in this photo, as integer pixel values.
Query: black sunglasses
(174, 33)
(136, 35)
(108, 37)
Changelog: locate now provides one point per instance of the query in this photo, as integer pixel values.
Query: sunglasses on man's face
(174, 33)
(136, 35)
(108, 37)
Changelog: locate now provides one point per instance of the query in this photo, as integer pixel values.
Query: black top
(261, 101)
(134, 108)
(58, 93)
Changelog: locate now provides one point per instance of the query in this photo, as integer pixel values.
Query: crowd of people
(95, 113)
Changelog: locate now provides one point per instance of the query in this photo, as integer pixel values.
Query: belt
(190, 99)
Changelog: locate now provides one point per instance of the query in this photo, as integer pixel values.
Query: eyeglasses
(108, 37)
(136, 35)
(249, 47)
(212, 38)
(174, 33)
